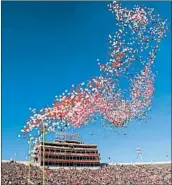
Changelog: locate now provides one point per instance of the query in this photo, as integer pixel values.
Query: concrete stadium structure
(66, 153)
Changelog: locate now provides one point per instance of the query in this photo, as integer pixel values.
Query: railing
(70, 154)
(68, 147)
(71, 161)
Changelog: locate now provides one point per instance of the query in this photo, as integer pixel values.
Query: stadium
(71, 162)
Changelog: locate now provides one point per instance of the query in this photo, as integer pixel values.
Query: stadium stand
(17, 173)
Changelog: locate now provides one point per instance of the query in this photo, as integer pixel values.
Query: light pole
(15, 155)
(139, 153)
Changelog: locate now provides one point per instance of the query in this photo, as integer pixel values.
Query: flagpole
(43, 155)
(29, 161)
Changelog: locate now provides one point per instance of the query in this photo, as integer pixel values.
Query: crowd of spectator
(17, 174)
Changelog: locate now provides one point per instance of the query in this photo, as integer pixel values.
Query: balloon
(135, 44)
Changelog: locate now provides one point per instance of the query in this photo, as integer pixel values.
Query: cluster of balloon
(136, 40)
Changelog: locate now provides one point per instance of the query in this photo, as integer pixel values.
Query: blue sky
(47, 46)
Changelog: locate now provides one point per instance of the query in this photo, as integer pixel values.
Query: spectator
(17, 174)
